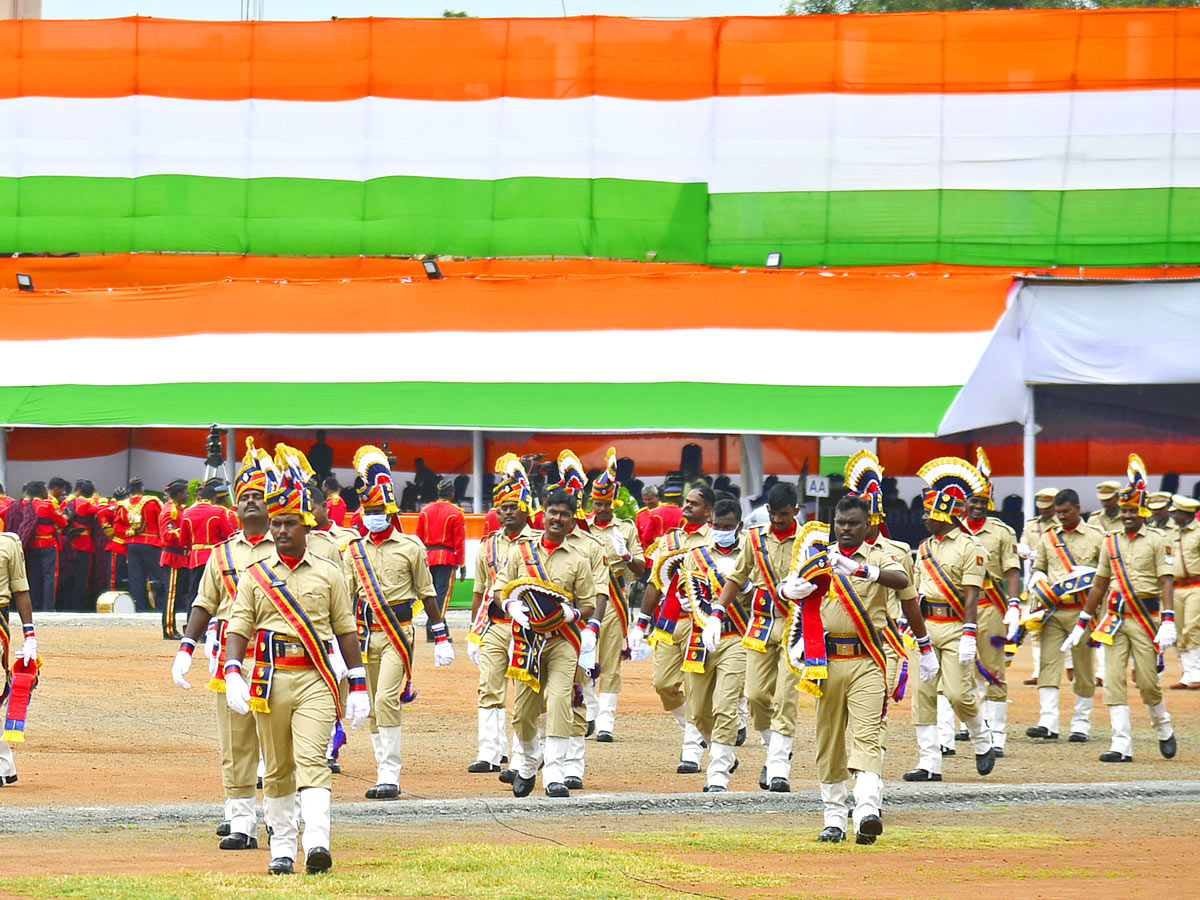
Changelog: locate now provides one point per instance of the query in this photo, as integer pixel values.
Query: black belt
(445, 547)
(937, 608)
(838, 647)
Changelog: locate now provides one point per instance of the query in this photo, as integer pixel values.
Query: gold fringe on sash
(692, 665)
(519, 674)
(216, 685)
(760, 645)
(12, 736)
(259, 705)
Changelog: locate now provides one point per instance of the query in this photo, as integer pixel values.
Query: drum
(116, 602)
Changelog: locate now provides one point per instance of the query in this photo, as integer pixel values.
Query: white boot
(243, 819)
(1161, 720)
(8, 765)
(743, 712)
(1099, 668)
(1048, 701)
(377, 748)
(388, 770)
(868, 795)
(591, 704)
(573, 764)
(764, 738)
(606, 713)
(1037, 657)
(929, 749)
(486, 739)
(281, 820)
(720, 763)
(502, 733)
(1081, 718)
(981, 735)
(945, 725)
(996, 713)
(833, 802)
(692, 749)
(230, 803)
(527, 756)
(1190, 661)
(680, 715)
(779, 764)
(314, 810)
(1122, 730)
(556, 755)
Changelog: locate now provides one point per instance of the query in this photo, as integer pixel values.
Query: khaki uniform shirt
(961, 559)
(1034, 528)
(596, 553)
(1187, 551)
(901, 553)
(778, 552)
(568, 566)
(629, 532)
(999, 543)
(1145, 556)
(400, 567)
(874, 597)
(486, 566)
(1099, 520)
(1085, 544)
(211, 596)
(12, 568)
(317, 585)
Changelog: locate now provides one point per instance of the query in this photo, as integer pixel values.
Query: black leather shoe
(506, 776)
(922, 775)
(1041, 731)
(831, 834)
(998, 753)
(604, 737)
(1167, 748)
(868, 828)
(334, 766)
(1114, 756)
(383, 792)
(985, 762)
(573, 783)
(780, 786)
(504, 760)
(223, 829)
(591, 727)
(258, 784)
(714, 789)
(949, 751)
(1077, 737)
(557, 789)
(963, 735)
(522, 787)
(741, 738)
(734, 767)
(762, 779)
(239, 841)
(480, 766)
(687, 768)
(281, 865)
(317, 861)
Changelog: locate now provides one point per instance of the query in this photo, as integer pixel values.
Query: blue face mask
(724, 538)
(376, 522)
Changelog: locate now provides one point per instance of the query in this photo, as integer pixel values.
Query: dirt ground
(107, 726)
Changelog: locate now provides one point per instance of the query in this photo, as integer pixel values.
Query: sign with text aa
(816, 486)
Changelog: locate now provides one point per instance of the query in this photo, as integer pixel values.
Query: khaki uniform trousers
(954, 680)
(1131, 643)
(1187, 614)
(668, 665)
(771, 686)
(714, 694)
(894, 662)
(239, 751)
(385, 680)
(991, 624)
(851, 704)
(493, 666)
(295, 733)
(1054, 631)
(559, 665)
(608, 651)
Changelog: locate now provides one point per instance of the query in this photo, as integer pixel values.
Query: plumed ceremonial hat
(514, 485)
(951, 481)
(605, 486)
(252, 476)
(864, 477)
(287, 485)
(1133, 495)
(374, 482)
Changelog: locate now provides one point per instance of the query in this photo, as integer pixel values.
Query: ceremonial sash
(993, 594)
(293, 613)
(1123, 600)
(384, 614)
(4, 645)
(217, 682)
(525, 662)
(229, 580)
(766, 603)
(938, 575)
(482, 621)
(844, 591)
(620, 602)
(703, 586)
(668, 552)
(1061, 550)
(23, 679)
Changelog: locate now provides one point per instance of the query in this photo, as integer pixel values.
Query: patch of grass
(803, 840)
(480, 871)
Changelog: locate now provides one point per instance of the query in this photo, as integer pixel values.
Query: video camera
(212, 447)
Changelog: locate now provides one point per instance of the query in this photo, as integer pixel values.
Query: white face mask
(724, 538)
(377, 522)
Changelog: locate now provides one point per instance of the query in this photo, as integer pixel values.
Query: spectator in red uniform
(81, 512)
(42, 556)
(443, 529)
(335, 506)
(5, 502)
(205, 525)
(174, 557)
(667, 515)
(143, 548)
(642, 519)
(113, 522)
(491, 522)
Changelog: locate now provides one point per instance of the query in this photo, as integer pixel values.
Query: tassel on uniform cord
(259, 705)
(808, 687)
(660, 635)
(521, 675)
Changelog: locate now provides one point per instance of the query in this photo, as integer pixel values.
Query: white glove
(928, 666)
(842, 564)
(620, 545)
(179, 668)
(638, 647)
(711, 635)
(587, 659)
(587, 642)
(1012, 620)
(1076, 634)
(443, 654)
(794, 588)
(966, 650)
(358, 707)
(1034, 577)
(237, 692)
(337, 662)
(473, 653)
(212, 646)
(1024, 551)
(570, 613)
(28, 649)
(1167, 635)
(517, 611)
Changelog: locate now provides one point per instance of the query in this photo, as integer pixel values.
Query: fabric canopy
(1010, 137)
